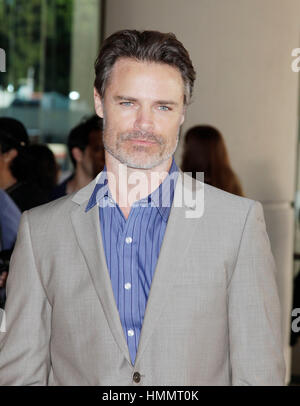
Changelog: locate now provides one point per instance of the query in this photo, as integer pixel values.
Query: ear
(77, 154)
(183, 115)
(10, 155)
(98, 103)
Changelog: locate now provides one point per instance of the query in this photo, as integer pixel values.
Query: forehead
(134, 78)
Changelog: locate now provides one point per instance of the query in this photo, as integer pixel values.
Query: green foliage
(37, 33)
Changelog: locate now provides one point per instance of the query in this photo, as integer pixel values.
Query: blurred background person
(13, 143)
(205, 151)
(86, 152)
(30, 174)
(42, 169)
(16, 166)
(9, 223)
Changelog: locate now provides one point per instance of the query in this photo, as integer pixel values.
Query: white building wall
(245, 86)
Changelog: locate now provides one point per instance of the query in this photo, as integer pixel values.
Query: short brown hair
(150, 46)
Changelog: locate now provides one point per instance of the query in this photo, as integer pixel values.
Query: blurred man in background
(16, 166)
(9, 223)
(86, 151)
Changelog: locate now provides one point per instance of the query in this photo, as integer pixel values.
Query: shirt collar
(161, 197)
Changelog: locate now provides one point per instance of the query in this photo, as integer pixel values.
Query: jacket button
(136, 377)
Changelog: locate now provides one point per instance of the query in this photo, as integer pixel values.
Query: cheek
(88, 155)
(98, 155)
(117, 118)
(169, 126)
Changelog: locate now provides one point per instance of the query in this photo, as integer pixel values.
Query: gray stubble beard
(126, 160)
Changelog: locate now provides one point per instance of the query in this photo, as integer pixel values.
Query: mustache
(141, 135)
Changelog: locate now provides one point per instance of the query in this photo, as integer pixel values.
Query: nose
(144, 119)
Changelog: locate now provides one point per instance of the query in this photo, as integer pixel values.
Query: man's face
(96, 151)
(93, 155)
(143, 110)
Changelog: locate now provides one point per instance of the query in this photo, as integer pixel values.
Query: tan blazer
(213, 313)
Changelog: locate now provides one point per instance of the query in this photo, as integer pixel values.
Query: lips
(140, 141)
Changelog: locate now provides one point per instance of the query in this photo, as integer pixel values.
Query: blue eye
(126, 104)
(164, 108)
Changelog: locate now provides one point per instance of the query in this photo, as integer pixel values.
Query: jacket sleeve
(24, 347)
(255, 331)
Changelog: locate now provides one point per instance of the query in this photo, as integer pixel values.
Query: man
(15, 176)
(86, 151)
(9, 223)
(129, 291)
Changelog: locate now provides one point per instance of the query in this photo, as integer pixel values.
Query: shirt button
(127, 286)
(128, 240)
(136, 377)
(130, 333)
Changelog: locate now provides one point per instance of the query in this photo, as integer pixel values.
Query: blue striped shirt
(132, 248)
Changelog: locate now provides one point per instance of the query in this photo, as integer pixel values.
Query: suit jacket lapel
(179, 232)
(87, 230)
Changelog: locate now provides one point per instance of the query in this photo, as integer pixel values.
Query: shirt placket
(127, 280)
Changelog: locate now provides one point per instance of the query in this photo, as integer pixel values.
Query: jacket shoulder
(218, 198)
(51, 214)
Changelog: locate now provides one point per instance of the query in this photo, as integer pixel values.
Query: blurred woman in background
(205, 151)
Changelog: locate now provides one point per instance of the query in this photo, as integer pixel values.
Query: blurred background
(50, 49)
(245, 87)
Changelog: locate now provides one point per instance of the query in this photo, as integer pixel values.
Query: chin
(142, 163)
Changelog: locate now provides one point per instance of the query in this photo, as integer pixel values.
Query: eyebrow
(128, 98)
(124, 98)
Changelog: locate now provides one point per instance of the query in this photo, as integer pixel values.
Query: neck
(80, 179)
(7, 179)
(127, 185)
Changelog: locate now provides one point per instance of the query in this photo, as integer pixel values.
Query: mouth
(142, 142)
